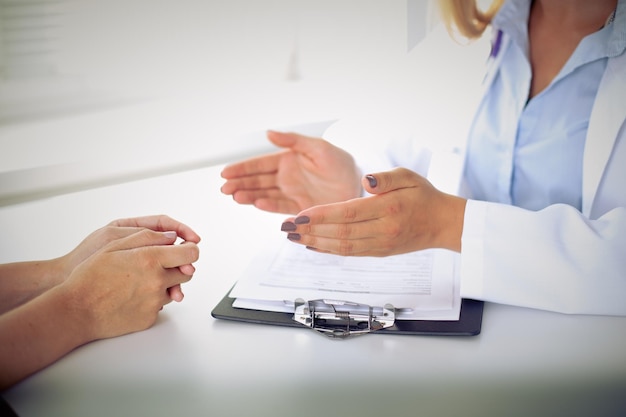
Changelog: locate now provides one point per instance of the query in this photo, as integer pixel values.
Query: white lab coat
(558, 258)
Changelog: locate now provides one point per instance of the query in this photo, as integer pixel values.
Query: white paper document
(421, 285)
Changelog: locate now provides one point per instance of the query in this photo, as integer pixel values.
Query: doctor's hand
(123, 285)
(308, 172)
(405, 214)
(121, 228)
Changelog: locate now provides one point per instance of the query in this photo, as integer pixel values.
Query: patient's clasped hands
(127, 271)
(321, 184)
(114, 282)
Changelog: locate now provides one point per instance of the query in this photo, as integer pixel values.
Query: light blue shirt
(529, 153)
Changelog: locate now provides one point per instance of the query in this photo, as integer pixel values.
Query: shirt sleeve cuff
(472, 248)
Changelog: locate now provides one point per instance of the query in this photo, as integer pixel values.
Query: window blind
(28, 33)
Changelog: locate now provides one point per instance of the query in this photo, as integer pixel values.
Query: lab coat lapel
(607, 116)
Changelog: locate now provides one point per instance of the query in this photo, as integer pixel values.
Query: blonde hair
(466, 18)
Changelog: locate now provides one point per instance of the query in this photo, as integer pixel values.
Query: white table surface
(525, 362)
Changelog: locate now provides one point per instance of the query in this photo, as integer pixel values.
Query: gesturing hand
(406, 214)
(122, 286)
(308, 172)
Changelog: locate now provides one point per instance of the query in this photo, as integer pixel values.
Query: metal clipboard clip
(342, 319)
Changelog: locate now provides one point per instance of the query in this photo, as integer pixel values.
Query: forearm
(20, 282)
(38, 333)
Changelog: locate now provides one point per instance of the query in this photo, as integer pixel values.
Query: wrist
(451, 223)
(56, 270)
(75, 313)
(65, 265)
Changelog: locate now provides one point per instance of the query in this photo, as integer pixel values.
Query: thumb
(294, 141)
(383, 182)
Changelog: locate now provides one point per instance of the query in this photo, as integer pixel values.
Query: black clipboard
(469, 323)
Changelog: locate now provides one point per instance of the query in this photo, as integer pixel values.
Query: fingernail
(372, 180)
(169, 235)
(293, 236)
(311, 248)
(288, 227)
(302, 220)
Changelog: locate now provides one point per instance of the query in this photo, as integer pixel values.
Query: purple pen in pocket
(495, 45)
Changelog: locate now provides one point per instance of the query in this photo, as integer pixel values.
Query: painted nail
(372, 180)
(302, 220)
(293, 236)
(288, 227)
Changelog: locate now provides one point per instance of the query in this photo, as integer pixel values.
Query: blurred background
(67, 55)
(111, 90)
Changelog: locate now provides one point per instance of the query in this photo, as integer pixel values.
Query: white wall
(120, 49)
